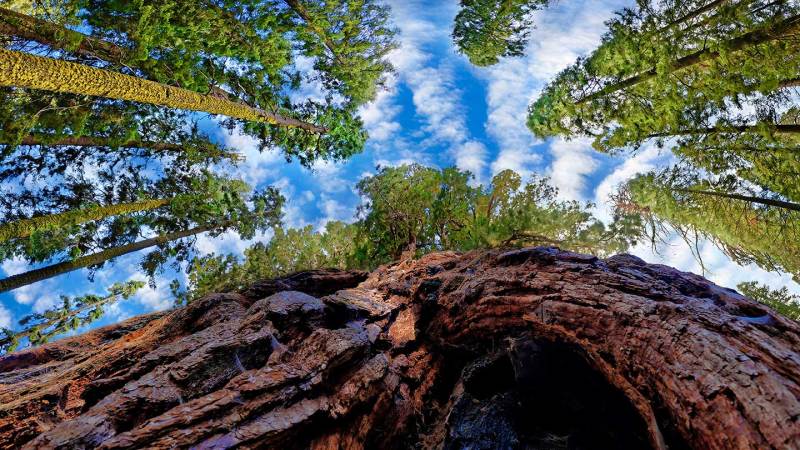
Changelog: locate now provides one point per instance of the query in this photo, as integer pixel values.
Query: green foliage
(672, 68)
(348, 60)
(39, 328)
(780, 300)
(747, 231)
(487, 30)
(248, 51)
(412, 210)
(288, 251)
(714, 81)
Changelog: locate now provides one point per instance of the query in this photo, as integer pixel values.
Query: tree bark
(53, 270)
(25, 227)
(24, 70)
(55, 36)
(529, 348)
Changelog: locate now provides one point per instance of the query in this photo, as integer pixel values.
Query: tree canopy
(411, 210)
(487, 30)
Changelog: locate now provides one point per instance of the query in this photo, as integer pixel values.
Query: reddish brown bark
(536, 348)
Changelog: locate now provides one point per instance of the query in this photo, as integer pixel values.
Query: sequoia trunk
(524, 349)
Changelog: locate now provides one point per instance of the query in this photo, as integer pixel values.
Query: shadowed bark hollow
(533, 348)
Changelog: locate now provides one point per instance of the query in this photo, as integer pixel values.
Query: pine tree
(229, 59)
(748, 228)
(350, 62)
(73, 313)
(487, 30)
(778, 299)
(649, 78)
(19, 69)
(25, 227)
(223, 208)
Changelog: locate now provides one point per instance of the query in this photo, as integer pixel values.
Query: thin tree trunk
(89, 141)
(762, 201)
(692, 15)
(26, 332)
(212, 150)
(43, 273)
(534, 348)
(778, 128)
(300, 9)
(55, 36)
(25, 227)
(23, 70)
(756, 37)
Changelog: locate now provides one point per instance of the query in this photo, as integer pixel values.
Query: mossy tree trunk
(25, 227)
(23, 70)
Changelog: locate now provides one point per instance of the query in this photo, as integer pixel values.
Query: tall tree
(649, 77)
(25, 227)
(40, 328)
(229, 212)
(747, 229)
(77, 215)
(486, 30)
(25, 70)
(349, 61)
(234, 59)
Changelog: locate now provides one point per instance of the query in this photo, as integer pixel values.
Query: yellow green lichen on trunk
(23, 70)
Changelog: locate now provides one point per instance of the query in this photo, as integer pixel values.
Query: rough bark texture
(533, 348)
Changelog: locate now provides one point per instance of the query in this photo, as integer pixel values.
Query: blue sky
(438, 110)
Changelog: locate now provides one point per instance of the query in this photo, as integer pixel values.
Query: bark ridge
(531, 348)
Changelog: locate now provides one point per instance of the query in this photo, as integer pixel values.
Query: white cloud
(5, 317)
(563, 32)
(436, 97)
(157, 299)
(572, 162)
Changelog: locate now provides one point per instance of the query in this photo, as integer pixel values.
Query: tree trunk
(25, 227)
(208, 148)
(24, 70)
(533, 348)
(57, 37)
(760, 36)
(53, 270)
(89, 141)
(692, 15)
(746, 198)
(777, 128)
